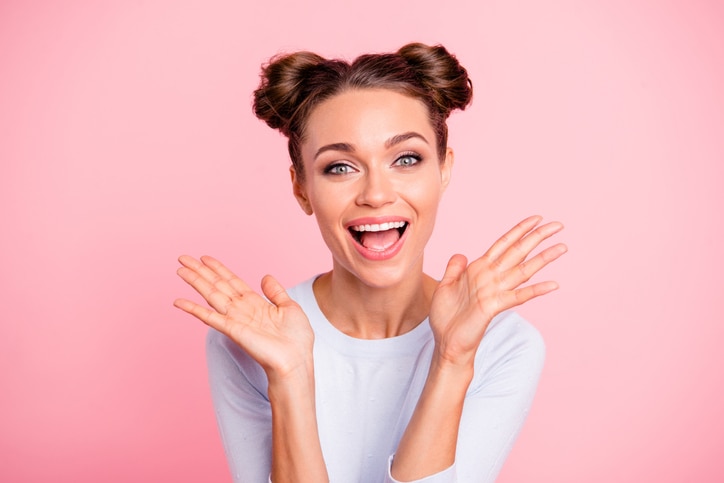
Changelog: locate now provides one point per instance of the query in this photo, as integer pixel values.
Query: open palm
(469, 296)
(274, 332)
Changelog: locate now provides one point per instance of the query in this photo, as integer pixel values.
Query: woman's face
(373, 179)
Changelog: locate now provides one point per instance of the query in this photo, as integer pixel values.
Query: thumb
(455, 267)
(274, 291)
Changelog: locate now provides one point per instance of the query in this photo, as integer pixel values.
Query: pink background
(126, 139)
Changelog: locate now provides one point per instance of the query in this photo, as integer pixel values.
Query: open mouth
(378, 237)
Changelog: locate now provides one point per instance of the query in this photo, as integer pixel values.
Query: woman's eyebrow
(404, 137)
(344, 147)
(349, 148)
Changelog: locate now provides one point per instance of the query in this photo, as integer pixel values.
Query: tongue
(379, 240)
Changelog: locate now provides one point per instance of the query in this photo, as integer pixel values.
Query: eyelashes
(338, 169)
(408, 159)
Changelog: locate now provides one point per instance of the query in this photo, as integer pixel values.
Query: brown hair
(292, 85)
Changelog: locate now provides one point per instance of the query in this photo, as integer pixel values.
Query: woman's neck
(366, 312)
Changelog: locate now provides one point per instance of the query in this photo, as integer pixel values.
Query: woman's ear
(446, 167)
(299, 192)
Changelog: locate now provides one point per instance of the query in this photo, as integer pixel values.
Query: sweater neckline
(408, 343)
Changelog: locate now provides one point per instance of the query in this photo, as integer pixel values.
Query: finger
(522, 295)
(522, 272)
(207, 316)
(512, 236)
(521, 249)
(209, 274)
(275, 292)
(455, 267)
(234, 282)
(215, 297)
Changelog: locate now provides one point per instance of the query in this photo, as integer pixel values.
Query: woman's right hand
(277, 335)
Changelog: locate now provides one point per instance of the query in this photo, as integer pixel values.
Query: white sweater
(366, 391)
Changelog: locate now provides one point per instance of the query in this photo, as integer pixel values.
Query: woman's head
(293, 85)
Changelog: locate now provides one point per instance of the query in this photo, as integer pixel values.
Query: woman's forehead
(363, 116)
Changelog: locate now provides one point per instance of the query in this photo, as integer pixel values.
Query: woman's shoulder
(226, 361)
(511, 351)
(303, 292)
(510, 328)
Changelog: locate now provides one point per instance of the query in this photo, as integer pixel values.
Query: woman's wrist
(291, 381)
(449, 379)
(452, 367)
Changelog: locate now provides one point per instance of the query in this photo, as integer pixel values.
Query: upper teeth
(379, 227)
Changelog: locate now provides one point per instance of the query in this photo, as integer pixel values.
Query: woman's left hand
(469, 296)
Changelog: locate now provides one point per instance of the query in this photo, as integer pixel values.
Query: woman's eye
(408, 160)
(338, 169)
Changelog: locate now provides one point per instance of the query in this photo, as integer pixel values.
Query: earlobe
(299, 192)
(446, 167)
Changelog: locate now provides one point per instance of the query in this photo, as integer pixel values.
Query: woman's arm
(277, 335)
(465, 302)
(296, 449)
(429, 442)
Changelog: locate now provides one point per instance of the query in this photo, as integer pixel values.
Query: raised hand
(469, 296)
(277, 334)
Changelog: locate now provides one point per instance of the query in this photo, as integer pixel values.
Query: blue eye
(338, 168)
(407, 160)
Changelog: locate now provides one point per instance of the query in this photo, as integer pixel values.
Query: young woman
(373, 371)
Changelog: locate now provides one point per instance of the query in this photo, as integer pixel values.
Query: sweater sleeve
(243, 413)
(507, 369)
(448, 475)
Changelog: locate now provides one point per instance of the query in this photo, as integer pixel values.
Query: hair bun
(281, 89)
(441, 73)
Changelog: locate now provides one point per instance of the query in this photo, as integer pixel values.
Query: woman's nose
(376, 190)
